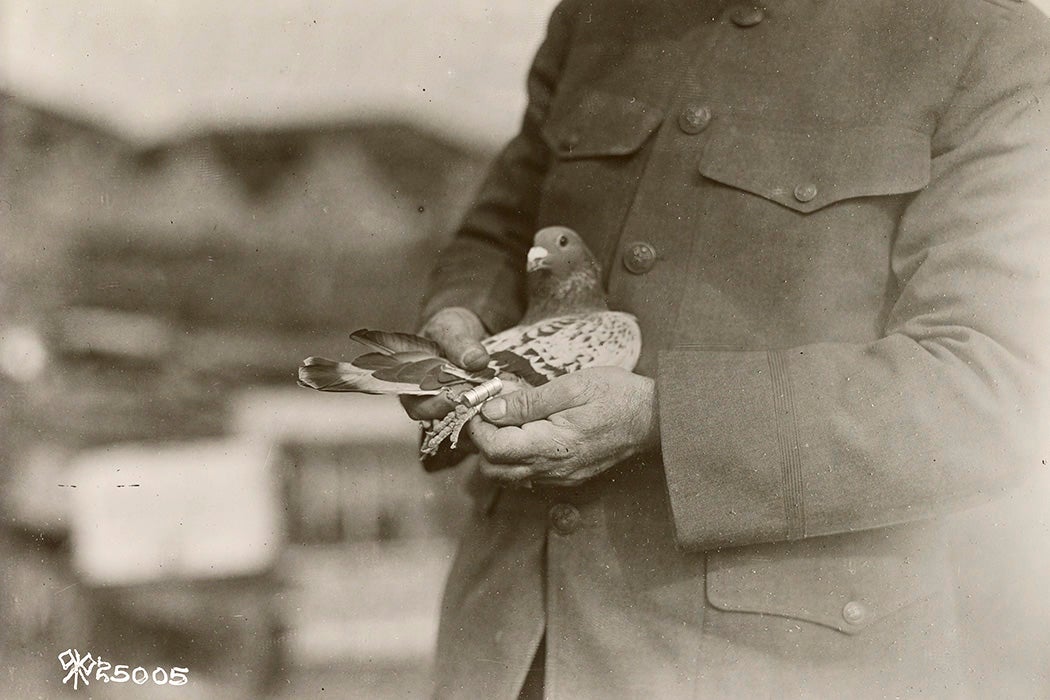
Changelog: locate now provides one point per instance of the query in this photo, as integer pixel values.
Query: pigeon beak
(537, 259)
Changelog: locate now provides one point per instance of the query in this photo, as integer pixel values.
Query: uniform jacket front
(831, 220)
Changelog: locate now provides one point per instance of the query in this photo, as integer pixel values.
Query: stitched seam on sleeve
(789, 444)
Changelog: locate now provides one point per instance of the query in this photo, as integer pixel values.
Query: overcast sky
(153, 68)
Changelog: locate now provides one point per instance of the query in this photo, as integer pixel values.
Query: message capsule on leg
(478, 395)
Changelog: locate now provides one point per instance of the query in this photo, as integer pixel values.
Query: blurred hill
(162, 278)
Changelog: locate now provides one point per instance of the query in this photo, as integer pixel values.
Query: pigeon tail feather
(328, 375)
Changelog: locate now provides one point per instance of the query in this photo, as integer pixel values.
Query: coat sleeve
(948, 407)
(483, 267)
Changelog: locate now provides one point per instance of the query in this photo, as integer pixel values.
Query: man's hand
(459, 332)
(569, 429)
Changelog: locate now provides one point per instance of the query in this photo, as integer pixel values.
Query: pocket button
(806, 192)
(855, 612)
(745, 16)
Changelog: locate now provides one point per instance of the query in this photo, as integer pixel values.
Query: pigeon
(567, 326)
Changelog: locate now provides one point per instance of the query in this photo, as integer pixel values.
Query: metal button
(806, 192)
(694, 119)
(855, 612)
(746, 15)
(639, 258)
(565, 518)
(569, 141)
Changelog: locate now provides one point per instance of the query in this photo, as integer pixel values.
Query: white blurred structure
(154, 69)
(185, 511)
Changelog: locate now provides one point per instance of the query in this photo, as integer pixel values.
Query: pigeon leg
(461, 421)
(470, 403)
(448, 427)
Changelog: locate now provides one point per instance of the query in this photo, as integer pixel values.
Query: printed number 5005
(139, 675)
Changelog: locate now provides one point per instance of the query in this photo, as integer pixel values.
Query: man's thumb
(458, 331)
(466, 352)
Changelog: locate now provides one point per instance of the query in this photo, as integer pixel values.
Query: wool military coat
(831, 221)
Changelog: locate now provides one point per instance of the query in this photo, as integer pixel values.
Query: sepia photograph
(558, 350)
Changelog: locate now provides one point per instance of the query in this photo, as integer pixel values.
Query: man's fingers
(498, 445)
(534, 442)
(459, 331)
(534, 403)
(502, 472)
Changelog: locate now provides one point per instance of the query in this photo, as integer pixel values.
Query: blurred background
(193, 197)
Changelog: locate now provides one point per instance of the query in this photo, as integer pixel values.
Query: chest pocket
(597, 142)
(807, 171)
(600, 124)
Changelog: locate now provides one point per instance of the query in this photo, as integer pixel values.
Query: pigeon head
(559, 251)
(562, 275)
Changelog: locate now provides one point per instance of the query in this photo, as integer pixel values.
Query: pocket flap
(847, 582)
(601, 124)
(808, 171)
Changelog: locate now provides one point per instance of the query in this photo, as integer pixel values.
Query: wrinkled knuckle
(521, 406)
(468, 323)
(590, 390)
(579, 388)
(514, 406)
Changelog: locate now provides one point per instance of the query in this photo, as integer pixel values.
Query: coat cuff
(730, 447)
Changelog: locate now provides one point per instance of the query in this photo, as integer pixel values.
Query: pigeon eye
(563, 241)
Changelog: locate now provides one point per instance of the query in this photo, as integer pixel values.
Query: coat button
(746, 15)
(565, 518)
(639, 258)
(806, 192)
(694, 119)
(855, 612)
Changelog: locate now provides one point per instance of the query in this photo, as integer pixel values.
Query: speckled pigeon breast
(564, 344)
